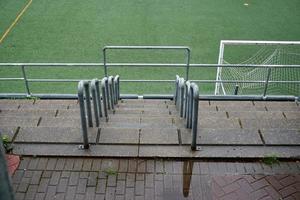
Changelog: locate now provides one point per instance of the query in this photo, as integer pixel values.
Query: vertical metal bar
(104, 97)
(107, 93)
(98, 97)
(117, 88)
(82, 114)
(176, 89)
(88, 103)
(181, 95)
(104, 61)
(188, 63)
(194, 125)
(111, 92)
(219, 69)
(95, 101)
(25, 80)
(236, 89)
(267, 81)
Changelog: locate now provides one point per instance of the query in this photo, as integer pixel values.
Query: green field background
(75, 31)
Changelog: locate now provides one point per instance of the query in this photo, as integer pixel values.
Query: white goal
(282, 80)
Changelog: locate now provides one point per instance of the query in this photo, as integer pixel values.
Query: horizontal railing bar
(134, 96)
(154, 81)
(11, 79)
(142, 65)
(146, 47)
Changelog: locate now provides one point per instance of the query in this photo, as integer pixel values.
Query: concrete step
(28, 113)
(19, 121)
(54, 135)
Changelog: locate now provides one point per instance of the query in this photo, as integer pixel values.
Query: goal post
(282, 80)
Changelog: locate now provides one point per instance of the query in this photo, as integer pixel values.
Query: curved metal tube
(186, 106)
(104, 96)
(181, 95)
(111, 91)
(194, 95)
(81, 86)
(117, 88)
(95, 100)
(176, 89)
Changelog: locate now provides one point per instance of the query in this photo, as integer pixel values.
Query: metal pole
(267, 82)
(88, 102)
(95, 101)
(104, 96)
(176, 89)
(181, 93)
(117, 88)
(111, 91)
(107, 93)
(98, 97)
(195, 97)
(26, 81)
(188, 63)
(104, 61)
(82, 114)
(236, 89)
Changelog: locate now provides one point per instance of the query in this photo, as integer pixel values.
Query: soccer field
(75, 31)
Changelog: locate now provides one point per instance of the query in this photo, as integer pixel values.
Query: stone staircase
(152, 128)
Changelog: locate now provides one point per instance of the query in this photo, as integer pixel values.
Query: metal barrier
(84, 100)
(187, 98)
(117, 88)
(104, 88)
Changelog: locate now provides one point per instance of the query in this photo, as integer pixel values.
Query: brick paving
(116, 179)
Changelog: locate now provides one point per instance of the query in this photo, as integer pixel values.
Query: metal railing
(187, 65)
(84, 98)
(187, 102)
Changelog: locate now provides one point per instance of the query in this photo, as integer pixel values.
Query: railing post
(195, 97)
(117, 88)
(267, 82)
(25, 81)
(181, 95)
(95, 100)
(236, 89)
(111, 91)
(176, 89)
(188, 103)
(82, 114)
(88, 102)
(104, 61)
(188, 63)
(98, 97)
(104, 96)
(107, 93)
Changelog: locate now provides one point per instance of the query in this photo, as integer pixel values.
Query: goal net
(251, 80)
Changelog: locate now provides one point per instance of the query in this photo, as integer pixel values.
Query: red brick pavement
(256, 187)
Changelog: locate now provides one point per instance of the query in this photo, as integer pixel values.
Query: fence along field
(75, 31)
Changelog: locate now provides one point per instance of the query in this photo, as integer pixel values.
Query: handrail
(81, 92)
(194, 95)
(188, 104)
(181, 95)
(117, 88)
(96, 100)
(176, 89)
(111, 92)
(104, 96)
(186, 48)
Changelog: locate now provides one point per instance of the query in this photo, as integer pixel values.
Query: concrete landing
(153, 128)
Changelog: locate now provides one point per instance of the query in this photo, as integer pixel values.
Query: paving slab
(281, 136)
(54, 135)
(292, 115)
(19, 121)
(279, 106)
(263, 123)
(73, 150)
(10, 131)
(159, 136)
(219, 151)
(215, 123)
(222, 137)
(28, 113)
(119, 136)
(60, 122)
(56, 102)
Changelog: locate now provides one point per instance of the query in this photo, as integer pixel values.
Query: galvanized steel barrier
(187, 102)
(84, 98)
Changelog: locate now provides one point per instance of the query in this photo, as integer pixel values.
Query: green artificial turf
(76, 31)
